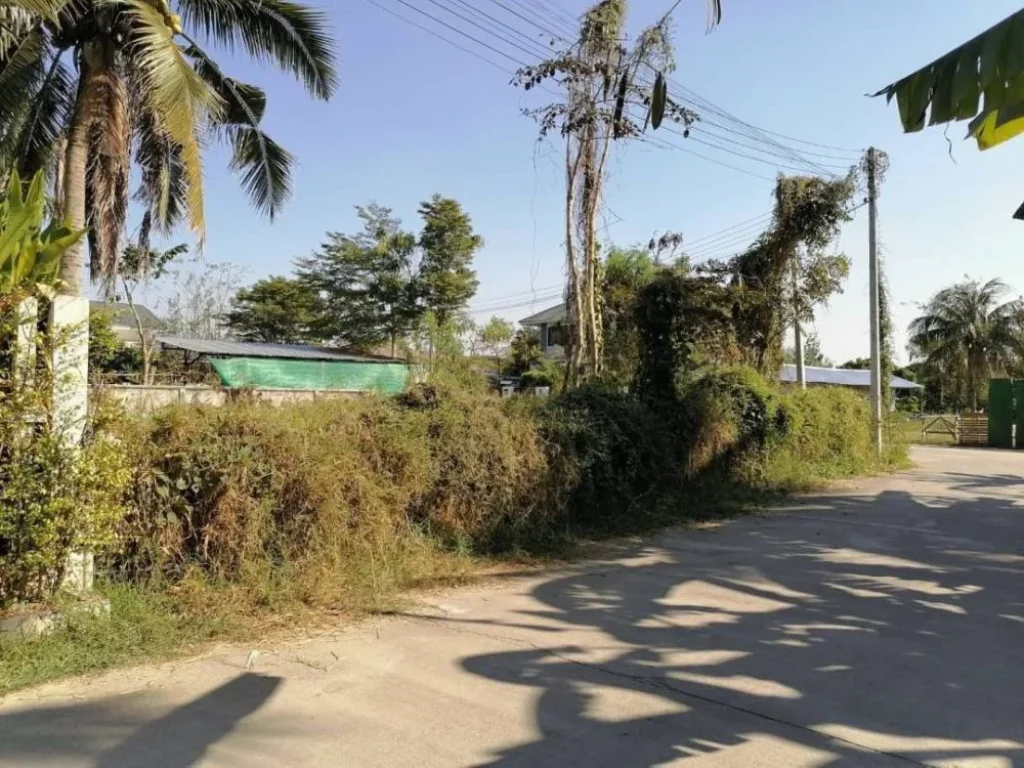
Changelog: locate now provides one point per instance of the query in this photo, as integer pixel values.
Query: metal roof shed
(840, 377)
(241, 364)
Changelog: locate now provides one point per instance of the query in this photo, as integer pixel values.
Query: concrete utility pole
(876, 341)
(798, 336)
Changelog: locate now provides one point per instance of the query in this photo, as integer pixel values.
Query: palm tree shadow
(875, 632)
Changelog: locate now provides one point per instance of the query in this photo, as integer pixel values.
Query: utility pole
(876, 341)
(798, 337)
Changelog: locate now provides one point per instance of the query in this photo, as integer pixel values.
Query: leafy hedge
(334, 500)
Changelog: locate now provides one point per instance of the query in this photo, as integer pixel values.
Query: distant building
(122, 321)
(552, 328)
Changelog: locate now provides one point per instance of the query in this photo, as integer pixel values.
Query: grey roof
(121, 314)
(555, 314)
(842, 377)
(222, 348)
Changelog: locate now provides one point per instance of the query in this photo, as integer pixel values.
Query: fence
(146, 399)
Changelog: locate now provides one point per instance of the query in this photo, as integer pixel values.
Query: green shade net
(274, 373)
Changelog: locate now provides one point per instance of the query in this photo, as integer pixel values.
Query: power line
(440, 37)
(462, 32)
(713, 235)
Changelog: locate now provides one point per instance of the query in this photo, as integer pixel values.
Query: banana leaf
(982, 77)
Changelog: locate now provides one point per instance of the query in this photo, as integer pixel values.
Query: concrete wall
(139, 399)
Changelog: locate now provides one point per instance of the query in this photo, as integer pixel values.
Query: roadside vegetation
(212, 523)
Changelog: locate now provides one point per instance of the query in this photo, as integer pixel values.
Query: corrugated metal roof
(221, 348)
(841, 377)
(553, 314)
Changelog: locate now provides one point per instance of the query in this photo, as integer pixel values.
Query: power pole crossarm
(876, 341)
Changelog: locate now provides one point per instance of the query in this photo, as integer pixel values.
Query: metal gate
(1001, 412)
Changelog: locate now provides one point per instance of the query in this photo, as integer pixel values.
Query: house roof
(547, 316)
(223, 348)
(841, 377)
(121, 314)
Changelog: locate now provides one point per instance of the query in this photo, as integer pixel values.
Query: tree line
(371, 288)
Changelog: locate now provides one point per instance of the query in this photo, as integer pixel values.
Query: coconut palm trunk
(76, 156)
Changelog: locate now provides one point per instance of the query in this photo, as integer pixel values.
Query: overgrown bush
(55, 498)
(340, 502)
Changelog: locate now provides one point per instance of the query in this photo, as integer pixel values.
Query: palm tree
(968, 334)
(88, 86)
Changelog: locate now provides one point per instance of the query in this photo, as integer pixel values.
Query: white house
(122, 321)
(552, 329)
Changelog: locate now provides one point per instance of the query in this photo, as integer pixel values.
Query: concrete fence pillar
(69, 328)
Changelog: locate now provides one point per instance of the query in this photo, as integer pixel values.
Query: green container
(1001, 413)
(1018, 401)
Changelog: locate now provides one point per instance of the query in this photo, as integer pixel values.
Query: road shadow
(121, 732)
(869, 630)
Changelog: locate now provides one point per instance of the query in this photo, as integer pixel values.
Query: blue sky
(414, 116)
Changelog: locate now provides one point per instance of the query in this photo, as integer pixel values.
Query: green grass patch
(142, 625)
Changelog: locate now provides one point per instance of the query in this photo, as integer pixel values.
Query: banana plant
(30, 253)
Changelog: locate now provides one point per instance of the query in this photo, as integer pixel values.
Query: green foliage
(788, 271)
(524, 351)
(546, 373)
(276, 310)
(968, 333)
(30, 252)
(812, 353)
(626, 272)
(151, 93)
(55, 498)
(683, 323)
(448, 244)
(107, 353)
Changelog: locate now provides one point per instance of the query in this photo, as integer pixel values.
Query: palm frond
(266, 167)
(21, 66)
(297, 38)
(163, 188)
(39, 137)
(182, 99)
(45, 8)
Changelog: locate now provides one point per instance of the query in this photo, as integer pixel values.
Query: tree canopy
(968, 333)
(95, 87)
(277, 310)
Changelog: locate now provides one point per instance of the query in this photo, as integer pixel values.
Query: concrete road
(879, 625)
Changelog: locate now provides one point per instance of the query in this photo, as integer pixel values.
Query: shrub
(340, 502)
(54, 499)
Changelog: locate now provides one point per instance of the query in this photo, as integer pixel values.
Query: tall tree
(495, 338)
(968, 333)
(367, 282)
(276, 310)
(448, 244)
(83, 82)
(604, 81)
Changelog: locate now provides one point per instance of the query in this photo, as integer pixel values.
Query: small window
(556, 336)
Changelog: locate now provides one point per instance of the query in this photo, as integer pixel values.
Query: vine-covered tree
(276, 310)
(789, 270)
(613, 91)
(968, 333)
(85, 83)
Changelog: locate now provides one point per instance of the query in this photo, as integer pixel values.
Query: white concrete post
(69, 327)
